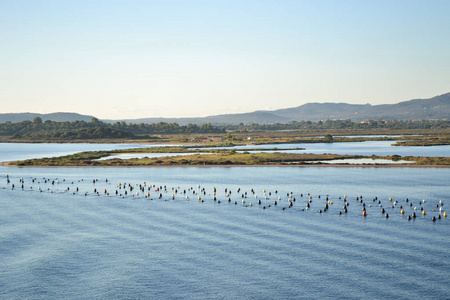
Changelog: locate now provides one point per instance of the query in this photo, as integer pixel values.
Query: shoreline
(7, 164)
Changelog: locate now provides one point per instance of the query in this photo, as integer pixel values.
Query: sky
(185, 58)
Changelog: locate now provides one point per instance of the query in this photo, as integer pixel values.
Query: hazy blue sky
(130, 59)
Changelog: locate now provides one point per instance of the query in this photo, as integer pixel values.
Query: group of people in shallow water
(269, 199)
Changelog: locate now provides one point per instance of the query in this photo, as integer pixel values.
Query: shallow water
(60, 243)
(145, 155)
(365, 161)
(381, 148)
(11, 151)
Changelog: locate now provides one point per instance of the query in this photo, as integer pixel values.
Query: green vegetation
(428, 161)
(77, 134)
(425, 141)
(221, 158)
(328, 138)
(292, 132)
(38, 131)
(344, 124)
(190, 149)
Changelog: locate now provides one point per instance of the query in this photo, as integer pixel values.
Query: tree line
(37, 129)
(344, 124)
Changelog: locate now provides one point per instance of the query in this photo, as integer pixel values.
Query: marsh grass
(215, 157)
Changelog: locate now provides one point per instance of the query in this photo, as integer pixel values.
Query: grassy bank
(211, 157)
(425, 141)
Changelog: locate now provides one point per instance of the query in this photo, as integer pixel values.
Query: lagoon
(11, 151)
(365, 161)
(60, 243)
(379, 148)
(145, 155)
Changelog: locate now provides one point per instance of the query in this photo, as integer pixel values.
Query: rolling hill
(418, 109)
(57, 117)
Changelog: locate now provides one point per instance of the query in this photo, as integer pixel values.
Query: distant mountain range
(57, 117)
(418, 109)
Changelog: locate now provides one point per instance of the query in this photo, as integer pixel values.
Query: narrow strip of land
(195, 156)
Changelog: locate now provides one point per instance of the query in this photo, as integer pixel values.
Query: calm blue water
(10, 151)
(63, 243)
